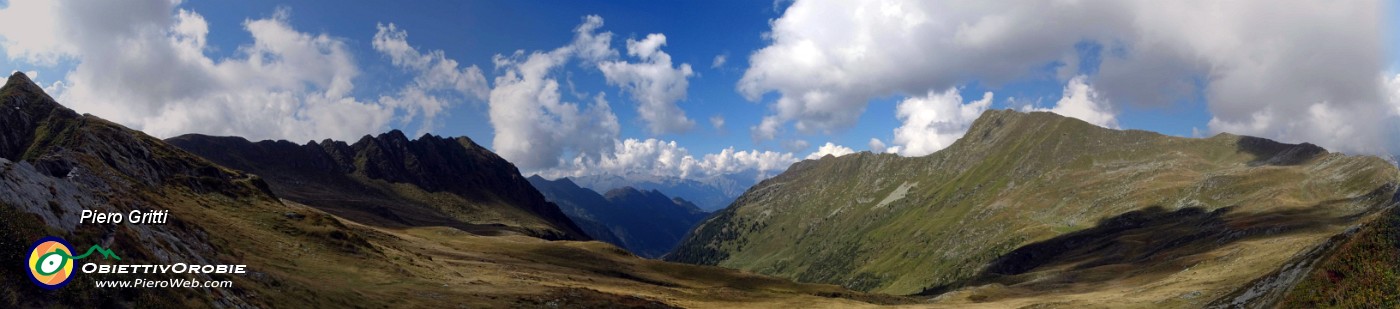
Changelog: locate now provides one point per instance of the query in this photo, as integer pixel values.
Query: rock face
(647, 223)
(55, 163)
(390, 180)
(1025, 204)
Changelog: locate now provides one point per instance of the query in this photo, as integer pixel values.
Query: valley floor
(437, 266)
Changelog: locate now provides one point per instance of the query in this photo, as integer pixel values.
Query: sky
(696, 89)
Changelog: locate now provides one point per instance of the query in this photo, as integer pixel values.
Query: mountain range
(647, 223)
(392, 181)
(1035, 208)
(420, 234)
(709, 193)
(1025, 210)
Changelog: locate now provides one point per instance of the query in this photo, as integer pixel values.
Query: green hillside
(55, 163)
(1028, 203)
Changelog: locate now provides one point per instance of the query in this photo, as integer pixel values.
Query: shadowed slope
(881, 222)
(298, 256)
(391, 181)
(647, 223)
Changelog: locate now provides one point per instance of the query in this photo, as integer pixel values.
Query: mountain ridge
(710, 193)
(646, 222)
(299, 256)
(904, 225)
(449, 181)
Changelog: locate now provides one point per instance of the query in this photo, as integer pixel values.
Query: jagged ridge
(365, 181)
(648, 223)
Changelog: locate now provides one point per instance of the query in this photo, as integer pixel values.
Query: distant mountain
(55, 163)
(710, 194)
(1036, 208)
(390, 180)
(580, 205)
(648, 223)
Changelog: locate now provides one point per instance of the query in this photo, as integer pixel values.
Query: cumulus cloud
(1282, 70)
(766, 129)
(830, 149)
(719, 61)
(1081, 101)
(28, 32)
(535, 127)
(653, 157)
(291, 84)
(877, 146)
(142, 64)
(654, 83)
(934, 121)
(438, 80)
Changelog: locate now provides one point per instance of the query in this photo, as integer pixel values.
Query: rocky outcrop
(56, 163)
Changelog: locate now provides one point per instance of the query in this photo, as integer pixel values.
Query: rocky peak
(625, 193)
(431, 163)
(565, 181)
(1269, 152)
(20, 84)
(36, 129)
(24, 109)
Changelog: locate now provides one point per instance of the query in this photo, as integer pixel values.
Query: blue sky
(892, 76)
(472, 32)
(697, 32)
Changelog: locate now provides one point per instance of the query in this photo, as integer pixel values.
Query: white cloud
(1392, 87)
(142, 64)
(877, 146)
(534, 126)
(28, 31)
(436, 77)
(932, 122)
(717, 121)
(653, 157)
(766, 129)
(1081, 101)
(1258, 64)
(653, 83)
(719, 61)
(297, 85)
(830, 149)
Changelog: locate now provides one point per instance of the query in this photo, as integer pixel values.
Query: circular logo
(50, 262)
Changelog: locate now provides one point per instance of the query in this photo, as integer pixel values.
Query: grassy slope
(318, 260)
(358, 197)
(1363, 272)
(1016, 179)
(301, 257)
(443, 267)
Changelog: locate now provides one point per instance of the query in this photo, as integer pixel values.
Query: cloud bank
(1290, 70)
(285, 84)
(542, 133)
